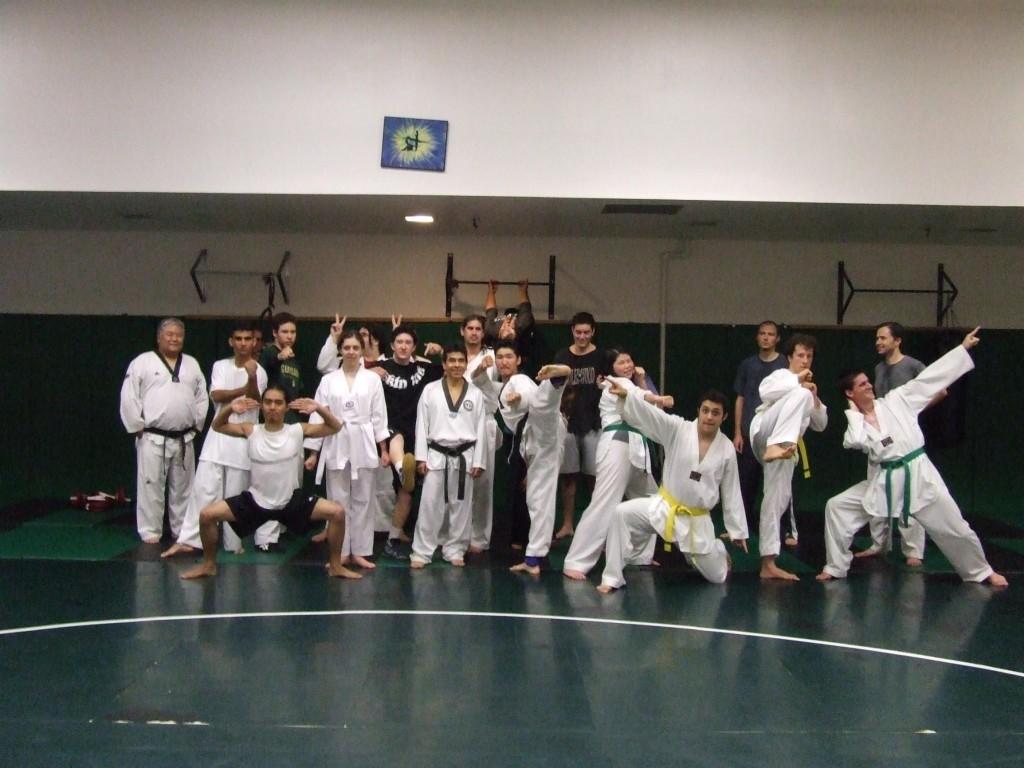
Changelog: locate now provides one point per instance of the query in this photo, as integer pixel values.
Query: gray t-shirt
(889, 377)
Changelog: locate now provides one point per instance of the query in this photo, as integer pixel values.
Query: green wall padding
(63, 374)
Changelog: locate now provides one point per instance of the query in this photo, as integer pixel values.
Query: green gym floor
(108, 658)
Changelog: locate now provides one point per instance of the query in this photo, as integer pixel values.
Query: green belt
(890, 467)
(804, 458)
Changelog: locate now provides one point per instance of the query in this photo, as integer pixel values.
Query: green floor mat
(67, 542)
(290, 547)
(79, 518)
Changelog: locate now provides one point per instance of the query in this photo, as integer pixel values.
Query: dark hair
(376, 332)
(451, 349)
(351, 333)
(846, 379)
(583, 318)
(243, 324)
(772, 323)
(278, 387)
(404, 328)
(470, 318)
(803, 339)
(281, 318)
(895, 329)
(607, 366)
(714, 396)
(507, 344)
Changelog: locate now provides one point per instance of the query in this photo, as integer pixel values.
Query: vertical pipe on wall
(662, 320)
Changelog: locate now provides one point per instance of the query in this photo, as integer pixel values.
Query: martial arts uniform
(898, 466)
(483, 486)
(623, 471)
(541, 442)
(223, 469)
(680, 511)
(887, 378)
(165, 409)
(350, 457)
(451, 438)
(787, 409)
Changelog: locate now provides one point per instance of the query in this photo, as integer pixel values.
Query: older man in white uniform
(902, 481)
(163, 406)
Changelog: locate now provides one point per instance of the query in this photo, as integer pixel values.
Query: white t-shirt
(224, 449)
(272, 457)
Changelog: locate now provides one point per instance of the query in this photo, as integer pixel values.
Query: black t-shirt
(584, 415)
(402, 389)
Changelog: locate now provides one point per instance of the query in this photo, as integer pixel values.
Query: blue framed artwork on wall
(414, 144)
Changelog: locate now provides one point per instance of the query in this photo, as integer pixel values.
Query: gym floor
(108, 658)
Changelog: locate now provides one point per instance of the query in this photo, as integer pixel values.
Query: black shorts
(296, 516)
(408, 434)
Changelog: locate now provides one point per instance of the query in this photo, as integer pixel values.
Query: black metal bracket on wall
(451, 283)
(945, 292)
(197, 272)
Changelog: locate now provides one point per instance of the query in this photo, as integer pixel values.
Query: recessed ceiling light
(420, 218)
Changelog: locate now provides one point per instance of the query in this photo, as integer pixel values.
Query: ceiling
(511, 217)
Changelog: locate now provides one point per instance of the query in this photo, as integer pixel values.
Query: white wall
(619, 280)
(876, 101)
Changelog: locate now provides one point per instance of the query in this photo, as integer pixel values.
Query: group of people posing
(445, 419)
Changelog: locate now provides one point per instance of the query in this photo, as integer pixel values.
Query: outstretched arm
(308, 406)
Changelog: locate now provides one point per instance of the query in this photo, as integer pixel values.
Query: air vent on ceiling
(643, 209)
(136, 216)
(707, 224)
(981, 230)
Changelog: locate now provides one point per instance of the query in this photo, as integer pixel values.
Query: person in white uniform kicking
(902, 481)
(350, 457)
(623, 468)
(163, 406)
(274, 492)
(450, 444)
(223, 469)
(700, 469)
(789, 404)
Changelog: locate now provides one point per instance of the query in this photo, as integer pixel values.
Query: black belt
(453, 452)
(173, 434)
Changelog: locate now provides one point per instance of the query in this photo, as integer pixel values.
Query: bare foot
(341, 572)
(239, 551)
(575, 575)
(533, 570)
(824, 576)
(605, 589)
(565, 532)
(475, 551)
(998, 580)
(151, 540)
(914, 562)
(517, 547)
(777, 452)
(362, 562)
(870, 552)
(770, 570)
(416, 565)
(319, 538)
(178, 549)
(458, 562)
(790, 541)
(200, 571)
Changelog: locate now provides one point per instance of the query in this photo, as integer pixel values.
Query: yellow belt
(675, 508)
(802, 450)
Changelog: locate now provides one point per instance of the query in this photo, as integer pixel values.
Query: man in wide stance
(700, 467)
(274, 492)
(902, 481)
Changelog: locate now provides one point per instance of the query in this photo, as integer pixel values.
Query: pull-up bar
(450, 284)
(268, 277)
(945, 293)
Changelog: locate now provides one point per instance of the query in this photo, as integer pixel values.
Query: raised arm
(239, 405)
(919, 393)
(308, 407)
